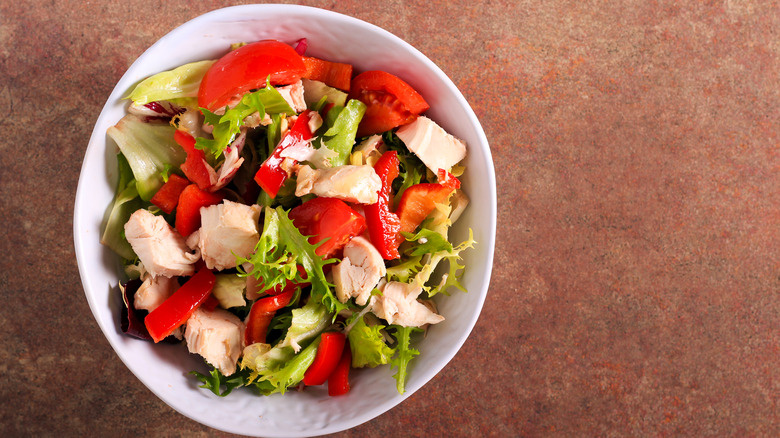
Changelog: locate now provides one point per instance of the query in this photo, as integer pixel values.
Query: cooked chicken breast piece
(398, 305)
(356, 184)
(358, 272)
(161, 249)
(153, 291)
(217, 335)
(227, 230)
(432, 144)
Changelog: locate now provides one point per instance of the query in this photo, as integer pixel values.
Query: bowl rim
(249, 13)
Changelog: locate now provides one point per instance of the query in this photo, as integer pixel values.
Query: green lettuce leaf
(148, 147)
(405, 354)
(215, 381)
(279, 252)
(180, 83)
(275, 369)
(124, 204)
(307, 322)
(228, 126)
(229, 290)
(368, 345)
(339, 138)
(452, 277)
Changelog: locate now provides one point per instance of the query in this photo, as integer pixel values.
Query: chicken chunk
(153, 291)
(293, 94)
(217, 335)
(227, 230)
(161, 249)
(358, 272)
(398, 305)
(357, 184)
(371, 149)
(432, 144)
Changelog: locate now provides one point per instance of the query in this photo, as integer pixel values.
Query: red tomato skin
(390, 102)
(329, 218)
(174, 311)
(247, 68)
(338, 382)
(188, 212)
(329, 353)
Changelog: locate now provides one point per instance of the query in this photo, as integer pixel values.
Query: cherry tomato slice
(247, 68)
(327, 218)
(390, 102)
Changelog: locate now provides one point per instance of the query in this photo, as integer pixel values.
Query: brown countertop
(637, 267)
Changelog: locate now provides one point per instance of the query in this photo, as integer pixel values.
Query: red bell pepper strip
(384, 225)
(261, 314)
(333, 74)
(188, 212)
(174, 311)
(168, 196)
(338, 382)
(328, 357)
(194, 167)
(419, 200)
(271, 175)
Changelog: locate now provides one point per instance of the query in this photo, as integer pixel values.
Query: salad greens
(286, 287)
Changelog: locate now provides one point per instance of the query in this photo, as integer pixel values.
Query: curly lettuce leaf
(405, 354)
(177, 84)
(228, 126)
(215, 381)
(273, 370)
(368, 345)
(452, 277)
(278, 254)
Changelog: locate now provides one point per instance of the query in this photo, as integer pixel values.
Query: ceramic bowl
(164, 368)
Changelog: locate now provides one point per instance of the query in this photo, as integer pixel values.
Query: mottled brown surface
(637, 270)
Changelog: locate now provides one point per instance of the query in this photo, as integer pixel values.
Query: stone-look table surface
(637, 266)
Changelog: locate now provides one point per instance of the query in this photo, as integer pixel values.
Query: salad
(285, 218)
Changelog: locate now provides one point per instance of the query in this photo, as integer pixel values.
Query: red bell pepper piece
(419, 200)
(175, 311)
(271, 176)
(338, 382)
(168, 196)
(261, 314)
(333, 74)
(328, 357)
(188, 212)
(384, 225)
(194, 167)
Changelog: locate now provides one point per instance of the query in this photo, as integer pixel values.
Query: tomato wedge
(328, 357)
(327, 218)
(390, 102)
(419, 200)
(247, 68)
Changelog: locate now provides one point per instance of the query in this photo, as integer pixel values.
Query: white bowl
(163, 368)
